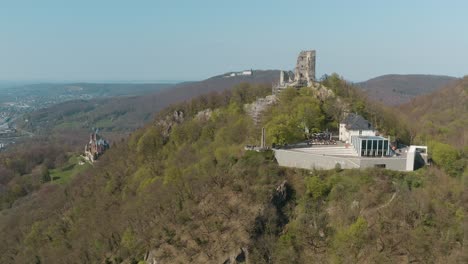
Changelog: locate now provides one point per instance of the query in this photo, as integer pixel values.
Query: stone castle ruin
(303, 75)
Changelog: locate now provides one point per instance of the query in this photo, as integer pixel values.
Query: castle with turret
(95, 147)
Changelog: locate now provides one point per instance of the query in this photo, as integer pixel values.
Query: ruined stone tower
(304, 73)
(305, 68)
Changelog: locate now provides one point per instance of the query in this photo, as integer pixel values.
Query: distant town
(15, 102)
(18, 100)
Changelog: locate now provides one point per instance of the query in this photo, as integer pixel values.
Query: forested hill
(125, 114)
(442, 114)
(184, 190)
(394, 89)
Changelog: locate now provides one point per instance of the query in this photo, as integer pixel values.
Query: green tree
(44, 174)
(288, 95)
(349, 242)
(446, 157)
(129, 239)
(334, 82)
(315, 187)
(283, 129)
(307, 111)
(149, 143)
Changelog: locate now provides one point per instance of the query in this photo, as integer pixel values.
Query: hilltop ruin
(303, 75)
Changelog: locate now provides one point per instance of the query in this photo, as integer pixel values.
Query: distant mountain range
(394, 89)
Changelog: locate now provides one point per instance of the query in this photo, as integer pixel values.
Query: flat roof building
(360, 148)
(371, 146)
(346, 157)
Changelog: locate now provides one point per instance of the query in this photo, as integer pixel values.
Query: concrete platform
(329, 150)
(327, 157)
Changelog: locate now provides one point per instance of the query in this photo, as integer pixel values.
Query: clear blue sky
(97, 40)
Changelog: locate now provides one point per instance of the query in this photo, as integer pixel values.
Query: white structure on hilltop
(241, 73)
(363, 149)
(355, 125)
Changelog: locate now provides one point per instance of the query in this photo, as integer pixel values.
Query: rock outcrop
(204, 115)
(150, 257)
(321, 92)
(281, 195)
(237, 257)
(169, 121)
(256, 108)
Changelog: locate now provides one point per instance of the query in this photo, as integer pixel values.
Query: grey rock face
(204, 115)
(170, 120)
(256, 108)
(282, 195)
(150, 257)
(237, 257)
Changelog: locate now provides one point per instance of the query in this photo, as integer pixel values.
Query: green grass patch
(104, 123)
(64, 174)
(69, 125)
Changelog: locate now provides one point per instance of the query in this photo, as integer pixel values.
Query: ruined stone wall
(286, 77)
(305, 68)
(304, 73)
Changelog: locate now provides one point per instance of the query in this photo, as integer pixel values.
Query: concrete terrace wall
(308, 161)
(398, 164)
(294, 159)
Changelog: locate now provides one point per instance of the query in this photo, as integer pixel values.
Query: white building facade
(355, 125)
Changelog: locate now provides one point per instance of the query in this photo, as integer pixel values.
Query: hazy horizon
(37, 81)
(146, 41)
(9, 83)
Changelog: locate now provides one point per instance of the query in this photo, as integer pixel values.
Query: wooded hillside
(396, 89)
(183, 190)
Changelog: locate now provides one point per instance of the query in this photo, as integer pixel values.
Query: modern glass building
(371, 146)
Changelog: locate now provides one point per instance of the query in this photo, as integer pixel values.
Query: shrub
(447, 157)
